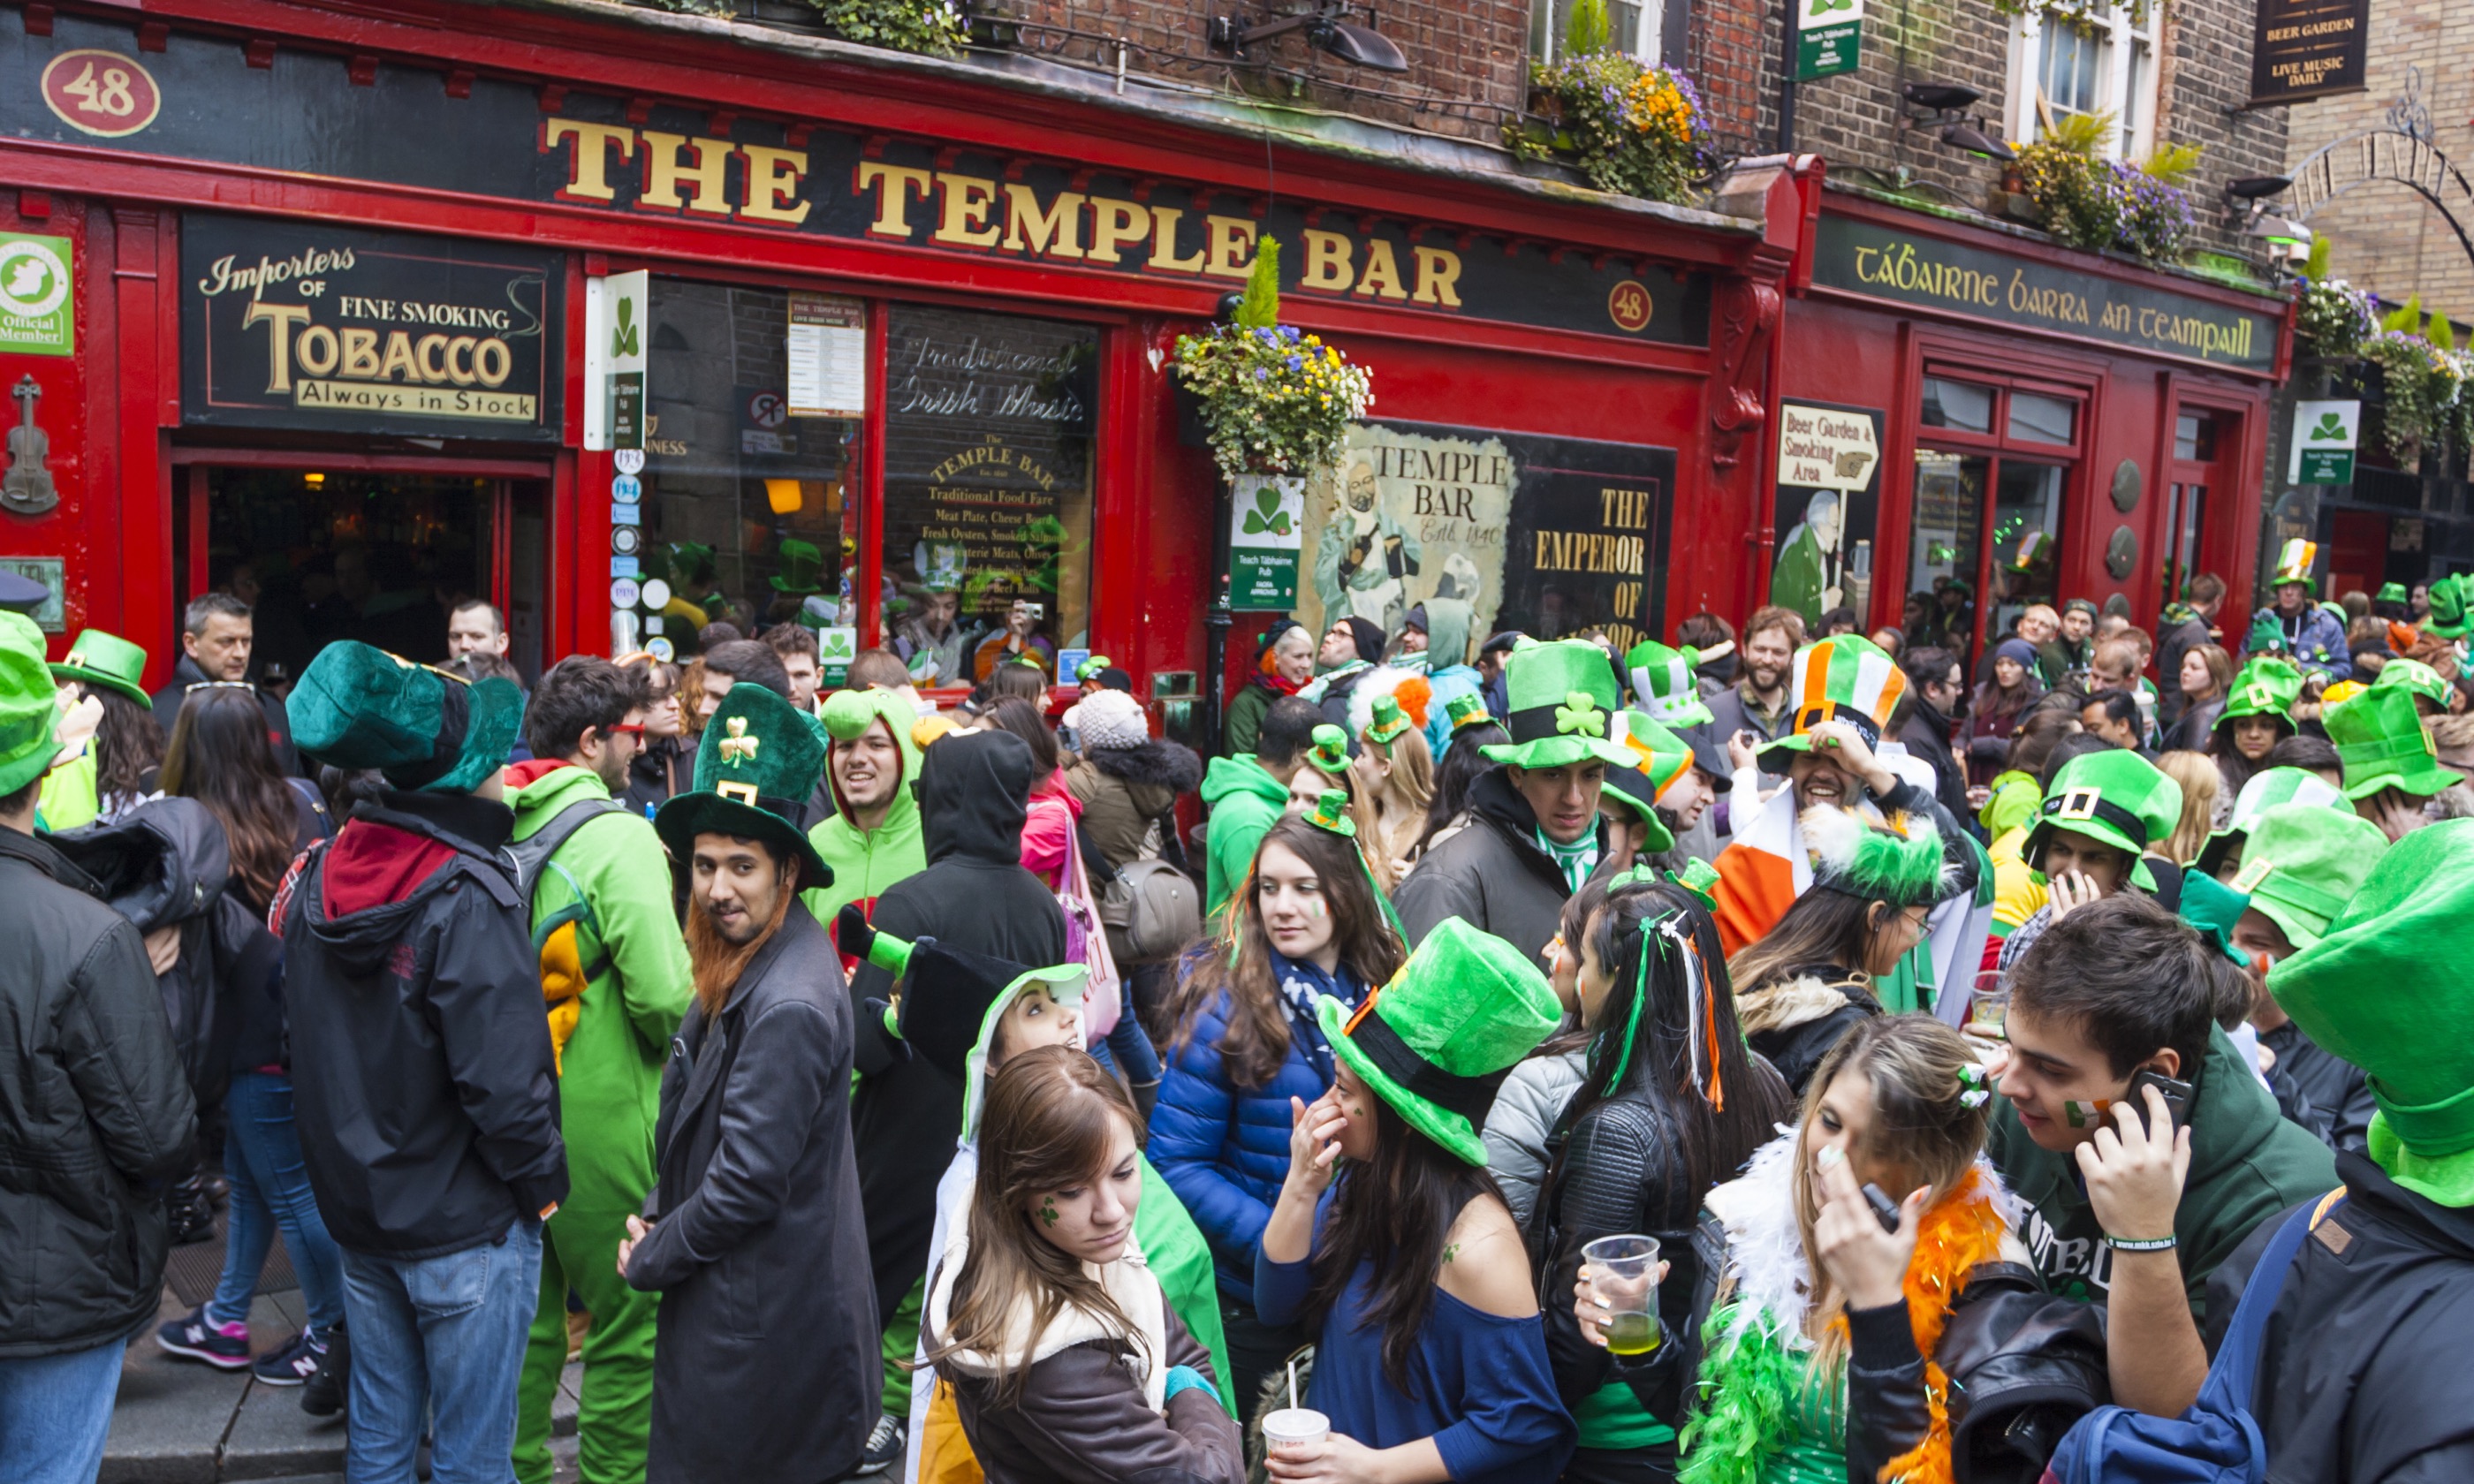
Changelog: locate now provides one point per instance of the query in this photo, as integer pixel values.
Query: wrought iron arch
(2394, 154)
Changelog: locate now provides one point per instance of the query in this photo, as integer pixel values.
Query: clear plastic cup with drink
(1623, 1279)
(1990, 1009)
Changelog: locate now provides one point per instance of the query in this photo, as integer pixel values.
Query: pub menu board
(306, 326)
(1588, 544)
(2308, 49)
(988, 421)
(1828, 500)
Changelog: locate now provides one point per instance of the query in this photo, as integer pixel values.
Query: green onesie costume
(609, 1092)
(865, 862)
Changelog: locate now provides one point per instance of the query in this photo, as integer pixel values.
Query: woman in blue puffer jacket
(1246, 1043)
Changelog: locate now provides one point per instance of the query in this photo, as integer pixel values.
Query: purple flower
(1289, 333)
(1295, 363)
(1261, 374)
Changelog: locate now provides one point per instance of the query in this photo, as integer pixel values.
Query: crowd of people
(1767, 1058)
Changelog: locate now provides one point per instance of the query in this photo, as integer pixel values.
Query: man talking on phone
(2143, 1147)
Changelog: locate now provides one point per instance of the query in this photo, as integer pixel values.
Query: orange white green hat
(1844, 677)
(1660, 760)
(2295, 562)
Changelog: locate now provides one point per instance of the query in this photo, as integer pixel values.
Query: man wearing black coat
(1935, 687)
(95, 1112)
(217, 636)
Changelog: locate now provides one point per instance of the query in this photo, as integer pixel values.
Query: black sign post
(2308, 49)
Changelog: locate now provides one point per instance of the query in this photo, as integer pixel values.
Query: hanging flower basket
(1272, 399)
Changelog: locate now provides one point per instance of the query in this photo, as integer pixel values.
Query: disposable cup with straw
(1294, 1428)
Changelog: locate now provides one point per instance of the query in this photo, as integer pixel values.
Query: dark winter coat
(1492, 874)
(667, 766)
(1793, 1020)
(95, 1113)
(2174, 639)
(907, 1115)
(2360, 1379)
(765, 1363)
(1927, 734)
(1122, 789)
(278, 726)
(422, 1076)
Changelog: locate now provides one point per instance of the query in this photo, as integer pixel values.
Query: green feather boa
(1747, 1392)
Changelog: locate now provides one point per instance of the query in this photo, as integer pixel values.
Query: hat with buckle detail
(108, 661)
(2115, 798)
(2381, 740)
(2268, 685)
(2267, 789)
(2303, 863)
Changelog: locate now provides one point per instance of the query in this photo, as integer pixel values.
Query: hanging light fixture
(1326, 30)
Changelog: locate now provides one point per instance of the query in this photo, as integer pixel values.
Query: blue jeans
(442, 1336)
(271, 1188)
(54, 1414)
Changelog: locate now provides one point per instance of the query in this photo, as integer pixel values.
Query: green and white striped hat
(1846, 679)
(2267, 789)
(1664, 683)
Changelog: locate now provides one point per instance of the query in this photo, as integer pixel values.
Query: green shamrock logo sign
(835, 645)
(2331, 429)
(623, 338)
(1266, 516)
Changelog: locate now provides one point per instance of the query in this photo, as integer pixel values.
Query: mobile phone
(2177, 1096)
(1884, 1210)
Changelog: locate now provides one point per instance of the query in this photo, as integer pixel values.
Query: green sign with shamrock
(1829, 37)
(2324, 436)
(1266, 531)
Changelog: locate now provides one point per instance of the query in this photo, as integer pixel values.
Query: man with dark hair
(475, 627)
(1246, 793)
(797, 645)
(2310, 753)
(756, 1224)
(1935, 687)
(95, 1113)
(216, 638)
(741, 659)
(1759, 703)
(2114, 716)
(1490, 657)
(598, 895)
(423, 1077)
(2122, 1208)
(2185, 625)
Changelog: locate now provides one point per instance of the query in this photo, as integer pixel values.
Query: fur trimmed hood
(1159, 763)
(1783, 1004)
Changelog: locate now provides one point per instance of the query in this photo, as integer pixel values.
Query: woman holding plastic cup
(1882, 1193)
(1430, 1359)
(1671, 1104)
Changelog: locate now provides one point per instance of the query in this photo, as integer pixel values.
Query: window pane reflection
(2027, 524)
(1942, 550)
(2042, 419)
(1956, 404)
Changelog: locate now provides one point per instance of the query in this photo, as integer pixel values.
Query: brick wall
(2384, 236)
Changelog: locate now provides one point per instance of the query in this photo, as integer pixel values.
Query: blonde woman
(2200, 780)
(1395, 775)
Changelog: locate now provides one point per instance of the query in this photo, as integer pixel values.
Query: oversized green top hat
(2293, 563)
(357, 706)
(1840, 679)
(758, 763)
(2415, 676)
(2303, 862)
(2267, 789)
(2371, 990)
(2380, 736)
(1851, 856)
(2115, 798)
(1437, 1042)
(108, 661)
(2448, 618)
(1562, 696)
(801, 562)
(1663, 681)
(29, 705)
(2268, 685)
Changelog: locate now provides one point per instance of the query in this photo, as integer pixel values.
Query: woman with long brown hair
(220, 756)
(1065, 1360)
(1306, 924)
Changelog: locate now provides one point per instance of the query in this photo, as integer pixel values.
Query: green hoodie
(2246, 1164)
(1245, 802)
(865, 862)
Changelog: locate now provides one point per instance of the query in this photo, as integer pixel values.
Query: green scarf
(1575, 860)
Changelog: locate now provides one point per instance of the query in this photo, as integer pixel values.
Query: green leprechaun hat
(1562, 697)
(1387, 723)
(1664, 683)
(1437, 1042)
(801, 562)
(2115, 798)
(2448, 619)
(2416, 677)
(2303, 862)
(1328, 754)
(2390, 592)
(2380, 736)
(2267, 789)
(2214, 908)
(1469, 710)
(1330, 812)
(108, 661)
(357, 706)
(2268, 685)
(29, 705)
(758, 763)
(2369, 991)
(2295, 562)
(1855, 858)
(1840, 679)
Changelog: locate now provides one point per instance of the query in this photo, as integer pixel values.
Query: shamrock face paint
(1090, 1222)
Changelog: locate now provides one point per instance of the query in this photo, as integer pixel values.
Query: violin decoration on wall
(27, 489)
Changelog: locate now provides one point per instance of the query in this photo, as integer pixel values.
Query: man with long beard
(757, 1192)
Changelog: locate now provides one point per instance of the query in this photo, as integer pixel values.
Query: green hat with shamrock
(1467, 710)
(1664, 683)
(2267, 789)
(1844, 677)
(29, 704)
(2416, 677)
(758, 763)
(1387, 723)
(1437, 1042)
(1562, 696)
(2448, 619)
(358, 707)
(1851, 856)
(2369, 992)
(2383, 744)
(2390, 592)
(1330, 752)
(2115, 798)
(2303, 862)
(108, 661)
(2268, 685)
(1660, 758)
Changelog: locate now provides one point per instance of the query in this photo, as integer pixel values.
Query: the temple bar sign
(1878, 262)
(2308, 49)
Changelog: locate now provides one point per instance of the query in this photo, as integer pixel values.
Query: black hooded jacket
(422, 1080)
(1492, 874)
(975, 897)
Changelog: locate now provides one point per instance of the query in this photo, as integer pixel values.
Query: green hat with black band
(2303, 863)
(2114, 797)
(2268, 685)
(357, 706)
(755, 767)
(2373, 990)
(2267, 789)
(2381, 740)
(1844, 677)
(2416, 677)
(29, 705)
(1438, 1041)
(108, 661)
(1562, 697)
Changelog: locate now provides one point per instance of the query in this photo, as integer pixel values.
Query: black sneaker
(295, 1363)
(224, 1346)
(191, 1215)
(884, 1447)
(325, 1391)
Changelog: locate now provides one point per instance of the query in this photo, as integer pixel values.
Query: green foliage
(1632, 129)
(2406, 319)
(2086, 200)
(932, 26)
(1259, 306)
(2173, 163)
(1586, 29)
(2081, 134)
(2316, 267)
(2439, 332)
